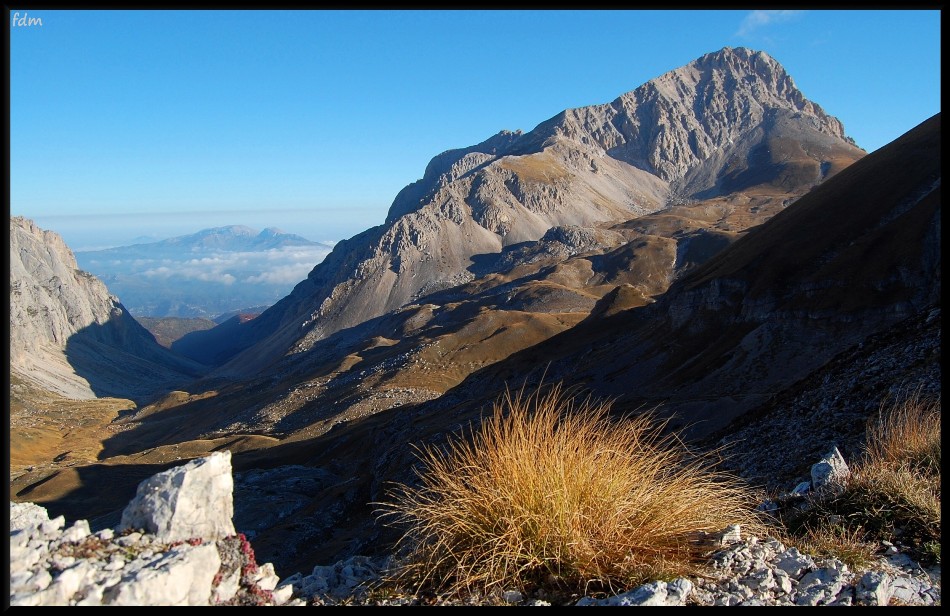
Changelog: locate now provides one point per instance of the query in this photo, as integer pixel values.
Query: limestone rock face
(716, 125)
(25, 515)
(683, 118)
(192, 500)
(193, 558)
(50, 298)
(183, 576)
(68, 334)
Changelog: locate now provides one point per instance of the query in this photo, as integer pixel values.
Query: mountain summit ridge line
(688, 133)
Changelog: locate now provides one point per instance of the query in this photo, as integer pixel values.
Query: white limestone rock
(26, 516)
(75, 533)
(794, 563)
(730, 534)
(874, 588)
(228, 587)
(820, 587)
(181, 576)
(192, 500)
(653, 593)
(830, 470)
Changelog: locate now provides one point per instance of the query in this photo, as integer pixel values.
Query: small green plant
(931, 551)
(551, 493)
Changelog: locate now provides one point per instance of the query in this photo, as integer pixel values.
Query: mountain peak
(237, 230)
(743, 53)
(675, 122)
(718, 125)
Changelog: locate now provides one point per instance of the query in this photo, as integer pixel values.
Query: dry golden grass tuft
(893, 493)
(552, 493)
(907, 436)
(836, 540)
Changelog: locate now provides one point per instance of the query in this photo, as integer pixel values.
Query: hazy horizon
(89, 232)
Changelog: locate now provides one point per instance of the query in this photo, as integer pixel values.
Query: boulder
(182, 576)
(831, 470)
(654, 593)
(192, 500)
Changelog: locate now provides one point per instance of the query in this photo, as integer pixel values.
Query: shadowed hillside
(69, 335)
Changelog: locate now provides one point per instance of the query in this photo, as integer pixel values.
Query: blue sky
(157, 123)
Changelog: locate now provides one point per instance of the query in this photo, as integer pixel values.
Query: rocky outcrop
(173, 505)
(69, 335)
(766, 572)
(745, 571)
(176, 546)
(657, 593)
(730, 120)
(741, 570)
(197, 559)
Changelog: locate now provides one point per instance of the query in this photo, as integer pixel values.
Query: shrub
(551, 492)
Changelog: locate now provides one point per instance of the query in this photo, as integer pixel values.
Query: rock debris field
(176, 545)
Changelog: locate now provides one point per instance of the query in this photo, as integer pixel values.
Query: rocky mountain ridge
(728, 121)
(231, 238)
(69, 335)
(773, 306)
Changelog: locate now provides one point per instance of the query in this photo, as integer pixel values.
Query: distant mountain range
(232, 238)
(207, 273)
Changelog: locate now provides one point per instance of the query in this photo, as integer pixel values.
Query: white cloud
(232, 259)
(158, 272)
(284, 274)
(283, 266)
(758, 19)
(191, 273)
(138, 263)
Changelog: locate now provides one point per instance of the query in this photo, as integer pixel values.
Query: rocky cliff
(69, 335)
(176, 545)
(728, 121)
